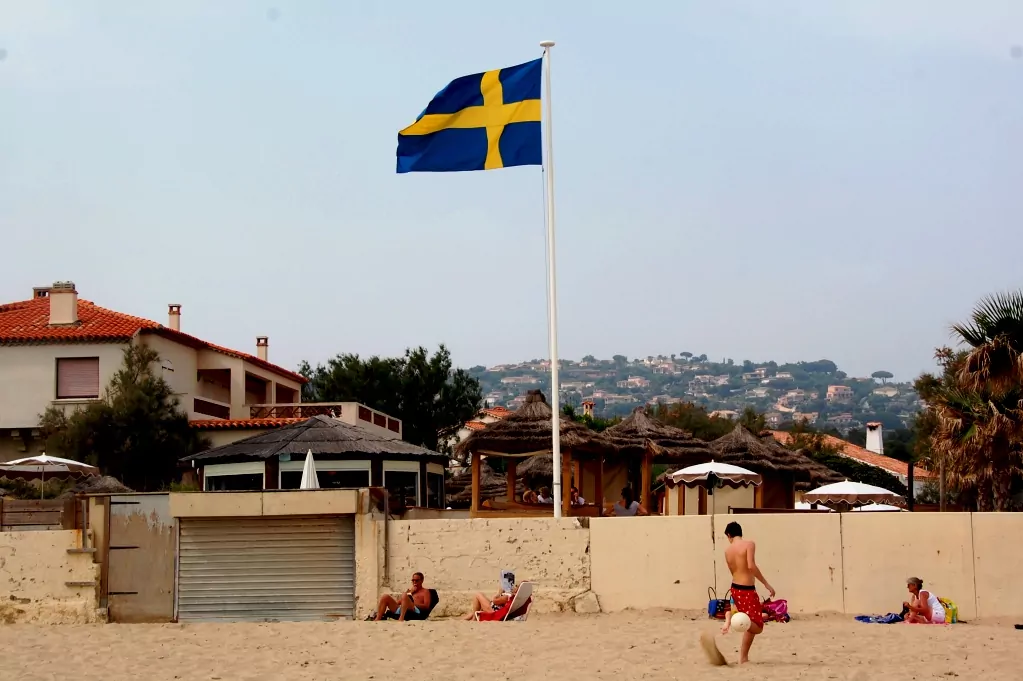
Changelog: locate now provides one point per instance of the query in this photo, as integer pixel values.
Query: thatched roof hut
(321, 434)
(527, 432)
(459, 487)
(96, 484)
(742, 448)
(630, 438)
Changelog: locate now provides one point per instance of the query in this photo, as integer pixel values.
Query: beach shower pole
(552, 287)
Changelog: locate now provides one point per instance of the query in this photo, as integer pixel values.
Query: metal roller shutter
(266, 569)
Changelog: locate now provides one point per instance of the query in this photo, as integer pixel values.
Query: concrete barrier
(41, 582)
(996, 555)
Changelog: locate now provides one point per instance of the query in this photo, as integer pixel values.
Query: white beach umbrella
(878, 507)
(43, 465)
(849, 493)
(715, 474)
(309, 479)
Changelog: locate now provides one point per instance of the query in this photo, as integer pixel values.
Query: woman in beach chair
(480, 603)
(515, 609)
(923, 607)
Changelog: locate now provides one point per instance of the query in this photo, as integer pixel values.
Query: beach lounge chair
(517, 609)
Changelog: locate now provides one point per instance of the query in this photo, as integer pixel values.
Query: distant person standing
(742, 563)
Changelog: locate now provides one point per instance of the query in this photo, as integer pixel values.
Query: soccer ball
(740, 622)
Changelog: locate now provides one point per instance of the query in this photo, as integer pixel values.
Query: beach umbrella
(309, 479)
(852, 494)
(43, 465)
(715, 474)
(878, 507)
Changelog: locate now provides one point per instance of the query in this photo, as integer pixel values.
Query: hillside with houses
(817, 392)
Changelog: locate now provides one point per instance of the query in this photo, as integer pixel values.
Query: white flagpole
(552, 286)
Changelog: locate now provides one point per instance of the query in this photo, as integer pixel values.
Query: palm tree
(979, 401)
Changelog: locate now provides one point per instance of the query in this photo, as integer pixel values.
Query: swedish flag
(478, 122)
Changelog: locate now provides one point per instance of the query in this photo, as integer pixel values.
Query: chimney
(63, 303)
(588, 408)
(174, 316)
(875, 440)
(263, 348)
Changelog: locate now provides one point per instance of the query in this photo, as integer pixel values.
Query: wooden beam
(511, 480)
(577, 475)
(598, 486)
(475, 485)
(566, 488)
(648, 466)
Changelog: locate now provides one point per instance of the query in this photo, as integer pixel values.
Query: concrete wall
(996, 555)
(35, 569)
(462, 557)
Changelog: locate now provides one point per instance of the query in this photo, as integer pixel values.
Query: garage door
(266, 569)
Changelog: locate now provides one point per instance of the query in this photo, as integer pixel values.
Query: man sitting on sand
(741, 558)
(414, 604)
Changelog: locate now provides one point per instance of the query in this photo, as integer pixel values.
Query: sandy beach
(652, 645)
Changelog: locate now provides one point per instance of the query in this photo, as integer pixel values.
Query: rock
(586, 604)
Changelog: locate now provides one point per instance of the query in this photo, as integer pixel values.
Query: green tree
(431, 398)
(882, 375)
(753, 421)
(135, 433)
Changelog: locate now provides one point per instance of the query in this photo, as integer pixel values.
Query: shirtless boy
(741, 558)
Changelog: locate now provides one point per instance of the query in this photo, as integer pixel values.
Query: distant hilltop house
(667, 369)
(520, 380)
(724, 414)
(758, 393)
(784, 376)
(840, 393)
(840, 419)
(755, 375)
(634, 382)
(809, 417)
(62, 351)
(482, 420)
(886, 391)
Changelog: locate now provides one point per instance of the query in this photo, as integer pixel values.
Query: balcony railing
(304, 410)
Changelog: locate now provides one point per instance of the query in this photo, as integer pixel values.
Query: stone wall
(462, 557)
(41, 582)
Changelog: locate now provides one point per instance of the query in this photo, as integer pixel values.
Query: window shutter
(78, 378)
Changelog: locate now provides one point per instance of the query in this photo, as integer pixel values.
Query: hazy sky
(765, 180)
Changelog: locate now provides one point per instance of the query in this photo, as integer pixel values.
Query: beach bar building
(347, 456)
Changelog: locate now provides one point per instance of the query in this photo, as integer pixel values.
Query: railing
(37, 514)
(304, 410)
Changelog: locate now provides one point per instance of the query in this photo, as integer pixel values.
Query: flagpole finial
(546, 44)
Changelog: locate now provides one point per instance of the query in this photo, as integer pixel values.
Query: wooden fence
(38, 514)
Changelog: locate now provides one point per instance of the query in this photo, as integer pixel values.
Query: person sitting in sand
(480, 603)
(414, 604)
(628, 506)
(923, 606)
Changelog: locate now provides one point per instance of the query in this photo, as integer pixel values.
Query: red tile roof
(28, 321)
(866, 456)
(497, 412)
(475, 425)
(232, 424)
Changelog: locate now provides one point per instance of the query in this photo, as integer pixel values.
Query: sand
(654, 645)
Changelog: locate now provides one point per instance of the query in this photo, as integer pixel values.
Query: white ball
(741, 622)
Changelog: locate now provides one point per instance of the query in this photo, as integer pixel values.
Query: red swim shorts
(747, 601)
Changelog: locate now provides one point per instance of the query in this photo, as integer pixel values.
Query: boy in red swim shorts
(741, 558)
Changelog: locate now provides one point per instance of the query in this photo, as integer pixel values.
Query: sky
(792, 180)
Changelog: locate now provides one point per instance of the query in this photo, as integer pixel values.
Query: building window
(234, 483)
(435, 490)
(78, 378)
(402, 488)
(392, 425)
(379, 420)
(327, 479)
(365, 414)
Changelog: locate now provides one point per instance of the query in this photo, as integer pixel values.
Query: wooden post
(272, 473)
(598, 486)
(511, 480)
(566, 489)
(577, 476)
(758, 496)
(648, 466)
(475, 485)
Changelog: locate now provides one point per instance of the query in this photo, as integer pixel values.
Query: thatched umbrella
(527, 433)
(459, 487)
(642, 438)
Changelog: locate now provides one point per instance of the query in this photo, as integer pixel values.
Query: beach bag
(776, 611)
(717, 608)
(951, 611)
